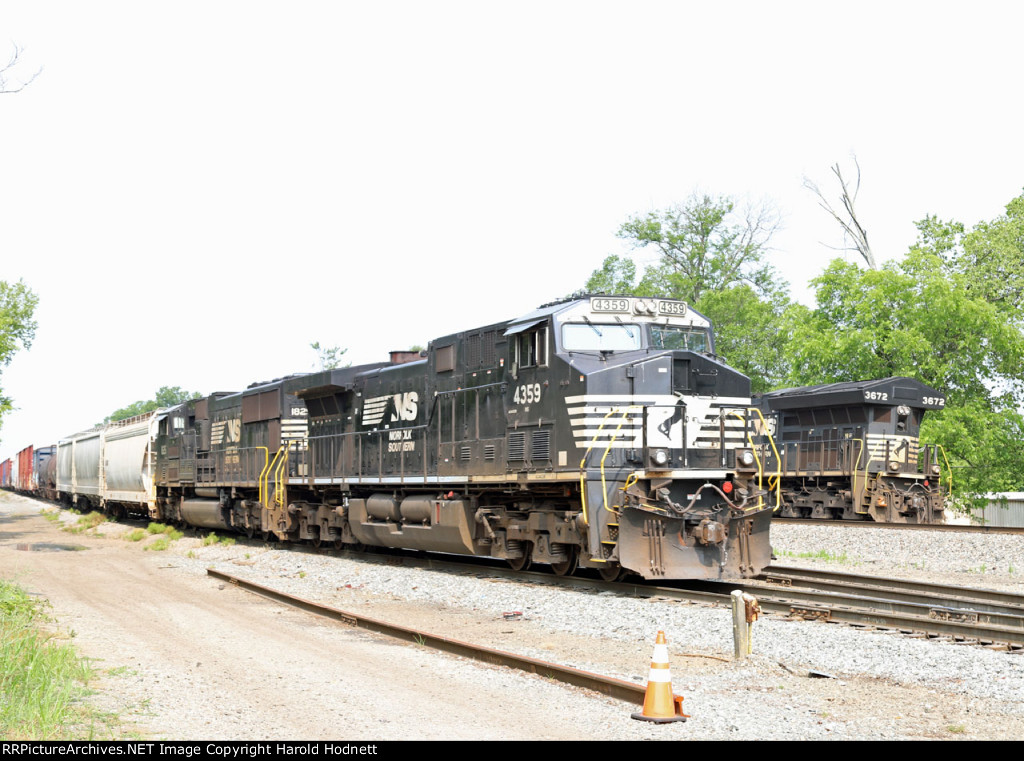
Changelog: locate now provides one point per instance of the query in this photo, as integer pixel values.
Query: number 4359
(527, 394)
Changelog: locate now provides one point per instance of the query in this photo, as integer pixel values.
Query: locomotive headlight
(659, 457)
(746, 457)
(935, 470)
(894, 466)
(903, 410)
(640, 307)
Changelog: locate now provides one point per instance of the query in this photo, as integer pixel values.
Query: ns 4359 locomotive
(599, 432)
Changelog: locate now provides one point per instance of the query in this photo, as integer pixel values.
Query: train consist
(852, 451)
(596, 432)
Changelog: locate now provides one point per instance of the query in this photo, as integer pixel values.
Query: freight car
(30, 470)
(852, 451)
(599, 432)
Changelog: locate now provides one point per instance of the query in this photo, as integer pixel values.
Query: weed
(956, 729)
(174, 535)
(212, 538)
(160, 544)
(157, 528)
(302, 574)
(818, 555)
(190, 554)
(135, 536)
(92, 520)
(41, 680)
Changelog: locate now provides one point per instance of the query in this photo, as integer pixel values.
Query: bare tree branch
(848, 220)
(5, 72)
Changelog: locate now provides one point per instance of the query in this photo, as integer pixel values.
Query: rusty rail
(613, 688)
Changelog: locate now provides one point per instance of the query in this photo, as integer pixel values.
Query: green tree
(950, 314)
(714, 258)
(166, 396)
(328, 357)
(17, 327)
(707, 244)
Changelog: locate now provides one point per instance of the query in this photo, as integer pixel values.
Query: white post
(745, 611)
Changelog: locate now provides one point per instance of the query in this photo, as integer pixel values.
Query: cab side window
(531, 348)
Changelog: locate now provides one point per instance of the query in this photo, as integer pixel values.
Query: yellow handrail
(853, 471)
(583, 469)
(948, 467)
(583, 462)
(266, 467)
(279, 477)
(265, 476)
(604, 486)
(777, 488)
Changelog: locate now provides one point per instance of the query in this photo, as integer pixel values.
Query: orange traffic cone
(660, 706)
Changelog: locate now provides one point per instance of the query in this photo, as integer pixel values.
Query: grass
(135, 536)
(956, 729)
(212, 538)
(825, 555)
(42, 681)
(87, 522)
(159, 545)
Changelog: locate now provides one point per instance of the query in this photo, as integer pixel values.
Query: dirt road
(185, 657)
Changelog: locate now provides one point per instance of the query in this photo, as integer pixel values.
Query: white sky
(198, 190)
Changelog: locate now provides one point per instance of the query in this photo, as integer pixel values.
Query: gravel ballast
(873, 685)
(920, 675)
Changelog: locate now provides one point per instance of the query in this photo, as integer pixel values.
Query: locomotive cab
(625, 397)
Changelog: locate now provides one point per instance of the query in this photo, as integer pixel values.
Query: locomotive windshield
(675, 337)
(597, 337)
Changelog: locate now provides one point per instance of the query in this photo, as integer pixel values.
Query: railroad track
(987, 617)
(991, 618)
(972, 529)
(610, 686)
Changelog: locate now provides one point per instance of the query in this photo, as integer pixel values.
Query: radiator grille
(517, 446)
(541, 445)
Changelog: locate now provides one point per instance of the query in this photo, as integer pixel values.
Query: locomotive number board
(669, 308)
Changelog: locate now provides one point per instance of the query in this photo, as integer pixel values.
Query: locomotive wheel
(316, 541)
(338, 543)
(524, 562)
(250, 531)
(612, 572)
(569, 565)
(269, 537)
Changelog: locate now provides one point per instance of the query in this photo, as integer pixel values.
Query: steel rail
(609, 686)
(858, 610)
(906, 590)
(972, 529)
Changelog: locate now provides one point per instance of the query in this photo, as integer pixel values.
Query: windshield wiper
(587, 320)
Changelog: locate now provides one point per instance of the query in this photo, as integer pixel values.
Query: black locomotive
(598, 432)
(852, 451)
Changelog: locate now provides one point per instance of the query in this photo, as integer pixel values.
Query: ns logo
(404, 406)
(391, 409)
